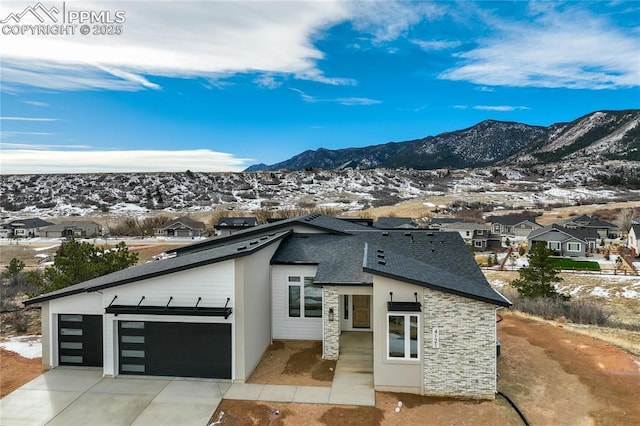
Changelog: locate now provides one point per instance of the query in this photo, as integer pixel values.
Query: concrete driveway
(81, 396)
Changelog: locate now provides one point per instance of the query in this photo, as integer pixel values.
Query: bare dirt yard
(555, 375)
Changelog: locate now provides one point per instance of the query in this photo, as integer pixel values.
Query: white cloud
(22, 161)
(27, 119)
(387, 20)
(569, 49)
(37, 103)
(185, 39)
(436, 44)
(267, 81)
(347, 101)
(500, 108)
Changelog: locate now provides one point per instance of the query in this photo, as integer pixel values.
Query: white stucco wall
(283, 326)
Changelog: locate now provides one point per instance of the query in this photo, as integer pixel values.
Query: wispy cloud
(82, 161)
(162, 41)
(5, 133)
(390, 19)
(37, 103)
(30, 146)
(347, 101)
(436, 44)
(556, 49)
(27, 119)
(267, 81)
(500, 108)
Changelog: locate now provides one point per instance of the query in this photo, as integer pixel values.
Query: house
(72, 229)
(395, 223)
(230, 225)
(437, 222)
(181, 227)
(476, 234)
(604, 229)
(23, 228)
(633, 239)
(513, 226)
(573, 242)
(635, 220)
(213, 309)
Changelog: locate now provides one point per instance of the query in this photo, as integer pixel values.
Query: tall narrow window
(402, 336)
(312, 299)
(294, 300)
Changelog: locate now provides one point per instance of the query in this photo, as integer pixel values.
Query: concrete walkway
(352, 381)
(68, 396)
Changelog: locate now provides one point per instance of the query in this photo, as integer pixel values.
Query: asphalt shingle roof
(579, 233)
(395, 222)
(165, 266)
(393, 265)
(511, 220)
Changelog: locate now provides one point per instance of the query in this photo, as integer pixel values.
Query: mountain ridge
(610, 134)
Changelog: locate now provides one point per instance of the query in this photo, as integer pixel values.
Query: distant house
(604, 229)
(181, 227)
(633, 239)
(23, 228)
(636, 220)
(437, 222)
(231, 225)
(73, 229)
(573, 242)
(395, 223)
(513, 226)
(476, 234)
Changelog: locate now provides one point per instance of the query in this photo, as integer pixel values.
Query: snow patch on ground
(630, 294)
(25, 346)
(600, 292)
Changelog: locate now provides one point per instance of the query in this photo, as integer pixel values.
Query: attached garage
(80, 340)
(174, 349)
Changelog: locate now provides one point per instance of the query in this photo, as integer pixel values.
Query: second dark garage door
(175, 349)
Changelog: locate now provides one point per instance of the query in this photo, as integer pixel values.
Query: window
(346, 306)
(468, 233)
(312, 299)
(308, 293)
(574, 247)
(496, 227)
(477, 243)
(294, 301)
(553, 245)
(402, 336)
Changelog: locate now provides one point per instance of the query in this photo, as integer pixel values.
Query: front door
(361, 311)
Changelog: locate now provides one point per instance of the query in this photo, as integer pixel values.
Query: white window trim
(478, 243)
(574, 242)
(407, 340)
(558, 247)
(299, 281)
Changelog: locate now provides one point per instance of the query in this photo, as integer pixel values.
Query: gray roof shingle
(393, 265)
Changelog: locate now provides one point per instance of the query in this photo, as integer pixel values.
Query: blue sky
(213, 86)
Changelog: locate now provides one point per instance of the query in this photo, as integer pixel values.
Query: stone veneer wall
(331, 329)
(465, 362)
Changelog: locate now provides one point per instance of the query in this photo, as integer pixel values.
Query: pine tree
(538, 279)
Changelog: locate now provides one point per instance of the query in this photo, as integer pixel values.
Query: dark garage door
(80, 340)
(175, 349)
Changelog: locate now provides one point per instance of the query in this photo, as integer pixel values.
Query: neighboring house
(437, 222)
(604, 229)
(633, 239)
(573, 242)
(395, 223)
(635, 220)
(231, 225)
(24, 228)
(181, 227)
(73, 229)
(476, 234)
(213, 309)
(513, 226)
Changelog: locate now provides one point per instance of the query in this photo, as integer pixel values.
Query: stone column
(331, 329)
